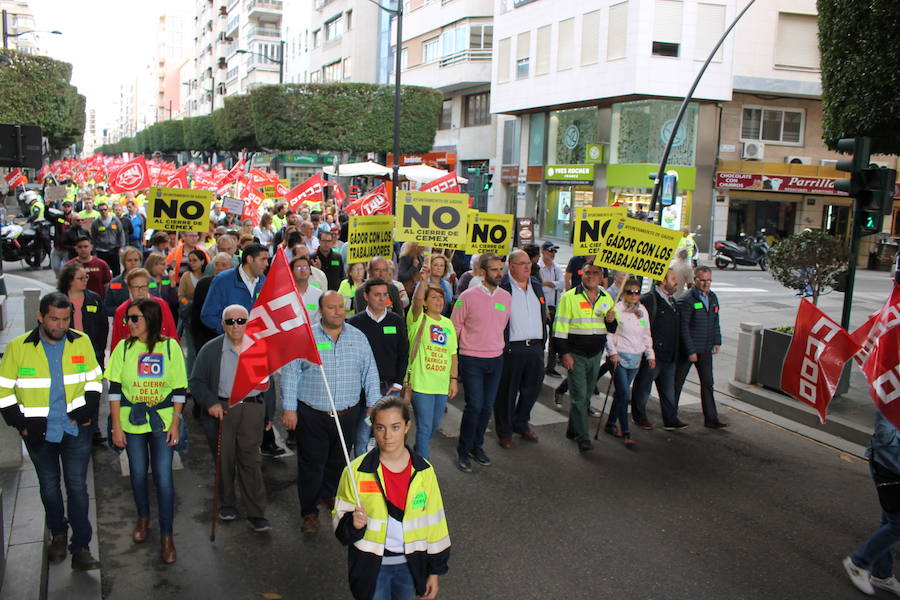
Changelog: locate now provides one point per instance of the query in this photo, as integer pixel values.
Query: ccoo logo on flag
(130, 177)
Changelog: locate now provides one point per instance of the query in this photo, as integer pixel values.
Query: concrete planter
(773, 351)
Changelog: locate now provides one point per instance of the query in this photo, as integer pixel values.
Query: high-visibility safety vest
(577, 315)
(37, 210)
(25, 375)
(426, 539)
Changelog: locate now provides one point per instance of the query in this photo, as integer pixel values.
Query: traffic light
(876, 198)
(861, 148)
(487, 177)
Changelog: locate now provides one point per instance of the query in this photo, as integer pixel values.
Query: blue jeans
(876, 552)
(481, 378)
(394, 583)
(664, 376)
(622, 377)
(141, 449)
(429, 410)
(74, 452)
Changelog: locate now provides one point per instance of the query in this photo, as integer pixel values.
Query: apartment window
(446, 115)
(348, 17)
(523, 52)
(334, 28)
(565, 57)
(542, 52)
(797, 45)
(667, 28)
(481, 37)
(346, 68)
(477, 109)
(316, 36)
(710, 25)
(773, 125)
(503, 61)
(590, 38)
(454, 40)
(403, 59)
(332, 72)
(315, 76)
(431, 50)
(511, 142)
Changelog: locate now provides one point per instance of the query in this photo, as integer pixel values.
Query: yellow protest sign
(587, 227)
(432, 219)
(628, 245)
(489, 232)
(369, 236)
(271, 192)
(176, 209)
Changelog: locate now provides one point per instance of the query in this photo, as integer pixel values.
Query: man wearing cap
(61, 223)
(553, 282)
(108, 237)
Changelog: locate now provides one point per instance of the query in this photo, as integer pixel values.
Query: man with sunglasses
(242, 424)
(584, 316)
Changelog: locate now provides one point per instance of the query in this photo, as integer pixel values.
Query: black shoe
(480, 457)
(57, 551)
(98, 439)
(552, 371)
(715, 424)
(570, 435)
(259, 524)
(291, 441)
(227, 513)
(676, 425)
(557, 398)
(593, 412)
(585, 445)
(272, 449)
(83, 561)
(464, 464)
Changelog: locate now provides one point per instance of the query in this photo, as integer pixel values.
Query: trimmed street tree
(859, 44)
(810, 259)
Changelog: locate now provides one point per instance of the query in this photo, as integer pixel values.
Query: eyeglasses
(704, 280)
(632, 291)
(133, 318)
(238, 321)
(553, 250)
(301, 268)
(83, 278)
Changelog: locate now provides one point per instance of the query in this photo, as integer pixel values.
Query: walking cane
(612, 373)
(218, 477)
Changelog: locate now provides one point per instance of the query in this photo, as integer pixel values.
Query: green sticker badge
(27, 371)
(420, 500)
(499, 306)
(698, 305)
(643, 323)
(81, 368)
(324, 345)
(312, 307)
(335, 263)
(390, 329)
(459, 302)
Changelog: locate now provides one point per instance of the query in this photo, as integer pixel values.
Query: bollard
(30, 308)
(746, 365)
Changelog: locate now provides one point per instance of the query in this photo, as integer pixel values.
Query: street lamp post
(278, 61)
(7, 35)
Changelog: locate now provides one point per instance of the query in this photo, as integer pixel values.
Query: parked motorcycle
(25, 241)
(754, 251)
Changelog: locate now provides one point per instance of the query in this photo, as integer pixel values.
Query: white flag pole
(337, 423)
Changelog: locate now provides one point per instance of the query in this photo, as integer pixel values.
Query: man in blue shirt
(350, 367)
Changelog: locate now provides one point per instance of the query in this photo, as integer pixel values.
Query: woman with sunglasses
(147, 382)
(138, 282)
(624, 349)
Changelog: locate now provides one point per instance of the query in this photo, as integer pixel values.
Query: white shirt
(374, 318)
(311, 301)
(250, 283)
(524, 314)
(555, 274)
(312, 244)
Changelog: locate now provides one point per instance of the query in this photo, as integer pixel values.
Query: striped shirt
(349, 365)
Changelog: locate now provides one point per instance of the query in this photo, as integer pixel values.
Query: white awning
(363, 169)
(425, 174)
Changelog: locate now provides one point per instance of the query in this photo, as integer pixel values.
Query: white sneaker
(859, 576)
(888, 583)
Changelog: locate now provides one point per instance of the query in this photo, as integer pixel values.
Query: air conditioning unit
(798, 160)
(828, 163)
(753, 150)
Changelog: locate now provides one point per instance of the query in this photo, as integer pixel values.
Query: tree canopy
(36, 91)
(859, 44)
(810, 259)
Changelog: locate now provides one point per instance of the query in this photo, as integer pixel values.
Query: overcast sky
(107, 42)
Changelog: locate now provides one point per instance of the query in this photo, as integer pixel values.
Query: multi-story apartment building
(347, 42)
(19, 20)
(586, 95)
(448, 46)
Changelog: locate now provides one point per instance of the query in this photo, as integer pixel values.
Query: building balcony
(265, 9)
(232, 27)
(263, 32)
(452, 73)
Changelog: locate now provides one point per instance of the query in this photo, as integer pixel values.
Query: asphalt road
(752, 511)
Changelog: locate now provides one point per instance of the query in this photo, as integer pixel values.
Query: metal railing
(264, 32)
(266, 5)
(466, 55)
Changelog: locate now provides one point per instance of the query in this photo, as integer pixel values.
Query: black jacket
(699, 329)
(96, 324)
(664, 326)
(506, 283)
(200, 333)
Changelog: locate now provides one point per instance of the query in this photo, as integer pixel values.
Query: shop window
(640, 131)
(477, 109)
(772, 125)
(332, 72)
(536, 129)
(568, 132)
(510, 142)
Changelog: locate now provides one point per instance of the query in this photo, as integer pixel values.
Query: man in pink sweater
(480, 316)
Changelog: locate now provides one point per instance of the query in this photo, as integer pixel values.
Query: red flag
(814, 362)
(277, 333)
(260, 178)
(375, 202)
(15, 178)
(178, 179)
(45, 170)
(231, 176)
(253, 199)
(447, 184)
(338, 194)
(131, 177)
(882, 363)
(308, 191)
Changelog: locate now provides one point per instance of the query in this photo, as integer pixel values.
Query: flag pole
(217, 480)
(337, 424)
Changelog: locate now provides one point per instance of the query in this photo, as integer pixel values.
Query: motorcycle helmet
(29, 196)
